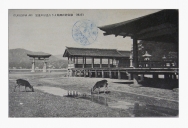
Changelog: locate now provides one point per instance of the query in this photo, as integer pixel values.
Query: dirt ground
(124, 99)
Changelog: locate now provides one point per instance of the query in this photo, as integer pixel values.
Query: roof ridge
(92, 48)
(119, 52)
(96, 52)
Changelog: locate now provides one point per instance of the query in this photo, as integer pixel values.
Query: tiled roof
(161, 26)
(125, 53)
(94, 52)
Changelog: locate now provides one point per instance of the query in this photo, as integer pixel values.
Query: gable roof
(39, 54)
(161, 26)
(94, 52)
(125, 53)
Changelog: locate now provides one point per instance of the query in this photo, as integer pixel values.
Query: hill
(18, 58)
(60, 57)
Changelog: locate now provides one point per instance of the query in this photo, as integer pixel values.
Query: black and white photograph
(83, 63)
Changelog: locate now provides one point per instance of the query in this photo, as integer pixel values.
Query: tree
(156, 49)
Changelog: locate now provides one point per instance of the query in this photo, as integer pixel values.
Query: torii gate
(39, 57)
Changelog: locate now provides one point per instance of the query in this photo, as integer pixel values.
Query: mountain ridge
(18, 59)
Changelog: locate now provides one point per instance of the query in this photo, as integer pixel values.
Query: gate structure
(42, 57)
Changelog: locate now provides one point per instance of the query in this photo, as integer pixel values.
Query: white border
(90, 122)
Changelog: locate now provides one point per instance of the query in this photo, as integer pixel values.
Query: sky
(51, 34)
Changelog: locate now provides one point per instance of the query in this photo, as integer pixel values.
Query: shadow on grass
(106, 92)
(123, 82)
(153, 111)
(156, 83)
(23, 91)
(160, 83)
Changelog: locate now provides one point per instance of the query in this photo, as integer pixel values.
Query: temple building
(94, 62)
(162, 26)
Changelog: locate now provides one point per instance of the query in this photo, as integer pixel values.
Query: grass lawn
(40, 104)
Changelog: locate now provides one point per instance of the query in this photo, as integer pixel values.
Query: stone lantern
(146, 58)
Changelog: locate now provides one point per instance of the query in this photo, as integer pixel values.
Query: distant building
(90, 61)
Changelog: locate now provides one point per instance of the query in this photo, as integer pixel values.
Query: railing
(157, 64)
(90, 65)
(142, 64)
(71, 66)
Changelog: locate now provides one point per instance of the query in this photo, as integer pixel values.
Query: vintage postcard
(93, 63)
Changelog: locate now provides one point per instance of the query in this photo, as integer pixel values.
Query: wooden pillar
(70, 75)
(44, 66)
(96, 73)
(84, 73)
(119, 74)
(135, 53)
(75, 73)
(117, 63)
(33, 65)
(130, 76)
(108, 63)
(71, 60)
(141, 77)
(100, 62)
(92, 62)
(155, 76)
(74, 60)
(90, 73)
(166, 76)
(80, 73)
(110, 74)
(135, 60)
(83, 63)
(170, 76)
(173, 76)
(102, 74)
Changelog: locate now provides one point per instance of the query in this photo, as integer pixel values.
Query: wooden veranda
(161, 26)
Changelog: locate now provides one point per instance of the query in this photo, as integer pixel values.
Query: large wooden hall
(162, 26)
(93, 62)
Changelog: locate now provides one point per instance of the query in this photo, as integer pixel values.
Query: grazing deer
(21, 82)
(99, 84)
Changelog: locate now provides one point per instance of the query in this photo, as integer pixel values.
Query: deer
(99, 84)
(21, 82)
